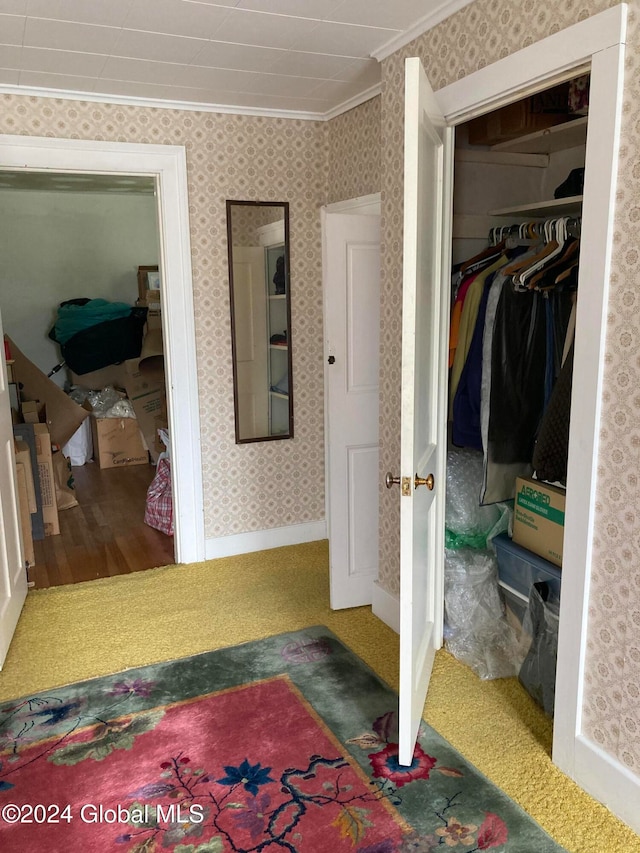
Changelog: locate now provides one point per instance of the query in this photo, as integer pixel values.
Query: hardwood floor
(105, 535)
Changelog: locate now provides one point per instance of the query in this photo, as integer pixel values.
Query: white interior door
(352, 317)
(250, 312)
(13, 572)
(427, 217)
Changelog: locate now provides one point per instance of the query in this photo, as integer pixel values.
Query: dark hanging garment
(518, 368)
(552, 448)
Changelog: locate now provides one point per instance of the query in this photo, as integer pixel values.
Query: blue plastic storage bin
(519, 568)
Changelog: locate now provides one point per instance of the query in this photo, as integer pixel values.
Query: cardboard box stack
(37, 498)
(538, 518)
(142, 379)
(44, 455)
(25, 481)
(44, 418)
(26, 497)
(149, 295)
(147, 396)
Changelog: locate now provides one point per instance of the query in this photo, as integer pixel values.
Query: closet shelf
(554, 207)
(556, 138)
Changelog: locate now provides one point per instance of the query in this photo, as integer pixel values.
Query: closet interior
(518, 184)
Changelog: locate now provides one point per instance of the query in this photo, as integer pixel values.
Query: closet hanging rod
(535, 228)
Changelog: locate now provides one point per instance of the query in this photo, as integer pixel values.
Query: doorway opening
(517, 212)
(92, 233)
(165, 167)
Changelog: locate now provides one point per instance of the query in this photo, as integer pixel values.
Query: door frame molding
(598, 43)
(365, 204)
(167, 164)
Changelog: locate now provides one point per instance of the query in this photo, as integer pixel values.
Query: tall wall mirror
(258, 240)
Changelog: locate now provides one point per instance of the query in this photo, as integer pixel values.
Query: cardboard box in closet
(538, 518)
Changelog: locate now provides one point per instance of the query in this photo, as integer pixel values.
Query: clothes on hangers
(456, 315)
(468, 395)
(497, 479)
(468, 319)
(466, 403)
(508, 353)
(551, 450)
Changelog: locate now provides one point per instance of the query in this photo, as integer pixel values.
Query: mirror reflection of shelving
(277, 333)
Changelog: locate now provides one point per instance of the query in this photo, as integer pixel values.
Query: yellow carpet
(75, 632)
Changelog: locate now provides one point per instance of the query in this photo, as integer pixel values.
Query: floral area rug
(285, 744)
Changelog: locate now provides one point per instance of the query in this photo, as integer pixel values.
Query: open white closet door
(428, 182)
(13, 571)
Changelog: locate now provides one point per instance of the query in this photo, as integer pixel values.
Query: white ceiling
(313, 57)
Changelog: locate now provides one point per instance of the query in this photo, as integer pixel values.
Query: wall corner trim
(385, 606)
(607, 779)
(262, 540)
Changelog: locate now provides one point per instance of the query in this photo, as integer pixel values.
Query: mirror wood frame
(240, 432)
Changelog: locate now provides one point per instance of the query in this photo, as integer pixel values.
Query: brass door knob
(390, 480)
(427, 481)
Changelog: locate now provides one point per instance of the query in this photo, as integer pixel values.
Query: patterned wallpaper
(266, 484)
(474, 37)
(354, 152)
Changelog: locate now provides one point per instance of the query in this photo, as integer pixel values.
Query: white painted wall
(64, 245)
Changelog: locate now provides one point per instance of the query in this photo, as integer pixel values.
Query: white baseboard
(607, 780)
(262, 540)
(386, 607)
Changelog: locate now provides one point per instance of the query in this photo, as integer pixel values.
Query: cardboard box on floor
(62, 414)
(27, 500)
(538, 518)
(23, 457)
(25, 515)
(117, 442)
(44, 455)
(25, 433)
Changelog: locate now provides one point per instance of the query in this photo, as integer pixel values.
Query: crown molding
(193, 106)
(441, 13)
(156, 103)
(345, 106)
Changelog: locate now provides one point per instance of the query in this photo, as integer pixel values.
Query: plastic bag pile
(476, 631)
